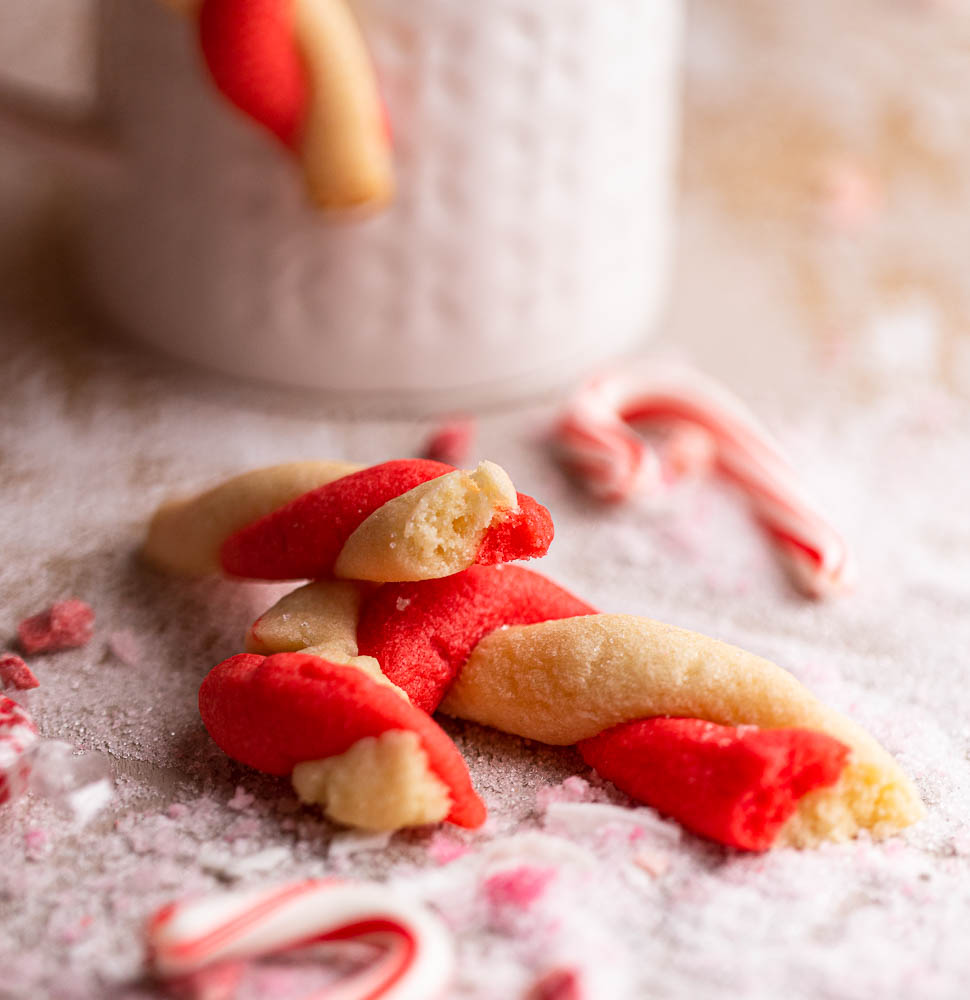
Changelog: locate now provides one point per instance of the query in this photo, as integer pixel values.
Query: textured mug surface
(534, 145)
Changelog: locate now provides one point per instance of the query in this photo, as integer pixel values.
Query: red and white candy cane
(17, 736)
(599, 446)
(186, 939)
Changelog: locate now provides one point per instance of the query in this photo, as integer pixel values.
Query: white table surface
(842, 318)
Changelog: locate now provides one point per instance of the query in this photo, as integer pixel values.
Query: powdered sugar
(124, 646)
(851, 921)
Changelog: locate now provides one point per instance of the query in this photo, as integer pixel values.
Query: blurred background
(824, 220)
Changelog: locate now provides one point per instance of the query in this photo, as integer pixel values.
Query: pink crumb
(124, 646)
(65, 625)
(451, 442)
(177, 811)
(36, 842)
(241, 800)
(559, 984)
(517, 887)
(14, 673)
(444, 849)
(573, 789)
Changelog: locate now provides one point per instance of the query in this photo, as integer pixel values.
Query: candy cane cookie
(409, 519)
(301, 68)
(569, 681)
(18, 735)
(505, 647)
(350, 744)
(220, 933)
(613, 462)
(418, 635)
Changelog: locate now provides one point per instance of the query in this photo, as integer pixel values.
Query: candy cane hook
(188, 938)
(613, 462)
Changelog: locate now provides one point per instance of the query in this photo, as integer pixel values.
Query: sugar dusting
(630, 903)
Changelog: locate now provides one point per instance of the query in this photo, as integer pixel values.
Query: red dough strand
(303, 539)
(272, 713)
(252, 54)
(737, 786)
(422, 633)
(524, 535)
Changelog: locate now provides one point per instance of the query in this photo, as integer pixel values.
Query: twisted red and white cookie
(508, 648)
(301, 69)
(569, 681)
(351, 744)
(418, 635)
(411, 519)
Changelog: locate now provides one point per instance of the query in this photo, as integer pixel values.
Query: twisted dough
(350, 744)
(562, 682)
(302, 69)
(565, 680)
(340, 677)
(410, 519)
(184, 536)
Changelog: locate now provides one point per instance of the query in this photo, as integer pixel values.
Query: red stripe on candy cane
(193, 938)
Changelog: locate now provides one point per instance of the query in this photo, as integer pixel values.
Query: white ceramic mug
(534, 148)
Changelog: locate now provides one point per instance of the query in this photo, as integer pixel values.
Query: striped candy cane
(613, 462)
(214, 934)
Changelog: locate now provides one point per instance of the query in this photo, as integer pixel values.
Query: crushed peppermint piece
(444, 849)
(451, 442)
(37, 842)
(124, 647)
(241, 800)
(15, 674)
(18, 737)
(559, 984)
(573, 789)
(65, 625)
(517, 887)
